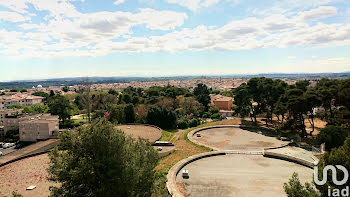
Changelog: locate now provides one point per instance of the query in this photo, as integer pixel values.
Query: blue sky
(70, 38)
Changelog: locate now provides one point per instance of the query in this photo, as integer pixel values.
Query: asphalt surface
(239, 175)
(236, 139)
(8, 150)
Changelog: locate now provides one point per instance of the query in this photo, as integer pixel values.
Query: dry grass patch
(185, 148)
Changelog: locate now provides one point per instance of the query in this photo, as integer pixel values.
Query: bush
(213, 110)
(161, 117)
(193, 122)
(215, 116)
(333, 136)
(182, 124)
(206, 115)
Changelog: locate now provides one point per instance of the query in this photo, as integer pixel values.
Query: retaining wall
(289, 158)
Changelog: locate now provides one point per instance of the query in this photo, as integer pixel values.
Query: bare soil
(152, 134)
(19, 175)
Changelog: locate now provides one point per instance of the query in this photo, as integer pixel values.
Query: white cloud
(194, 4)
(162, 20)
(318, 13)
(68, 32)
(291, 57)
(12, 16)
(119, 2)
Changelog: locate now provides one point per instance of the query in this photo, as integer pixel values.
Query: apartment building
(19, 99)
(38, 127)
(8, 118)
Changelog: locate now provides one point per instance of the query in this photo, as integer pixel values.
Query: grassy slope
(184, 149)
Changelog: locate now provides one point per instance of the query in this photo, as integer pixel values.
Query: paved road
(8, 150)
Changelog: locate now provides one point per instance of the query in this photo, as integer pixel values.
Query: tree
(61, 106)
(112, 91)
(295, 189)
(39, 108)
(98, 160)
(103, 102)
(42, 94)
(312, 101)
(332, 136)
(297, 108)
(65, 89)
(337, 156)
(129, 113)
(117, 114)
(243, 102)
(12, 134)
(13, 90)
(327, 89)
(162, 117)
(140, 113)
(52, 93)
(15, 106)
(191, 106)
(85, 97)
(201, 93)
(24, 90)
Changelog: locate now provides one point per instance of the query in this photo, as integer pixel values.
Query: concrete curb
(192, 133)
(23, 157)
(289, 158)
(173, 172)
(171, 183)
(148, 125)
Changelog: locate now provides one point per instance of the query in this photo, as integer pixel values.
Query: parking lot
(7, 150)
(239, 175)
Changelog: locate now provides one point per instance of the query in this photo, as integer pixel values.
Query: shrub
(215, 116)
(193, 122)
(333, 136)
(213, 110)
(206, 115)
(182, 124)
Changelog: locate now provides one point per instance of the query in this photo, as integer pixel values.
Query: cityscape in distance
(174, 98)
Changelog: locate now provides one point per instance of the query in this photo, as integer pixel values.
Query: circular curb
(159, 135)
(173, 172)
(192, 133)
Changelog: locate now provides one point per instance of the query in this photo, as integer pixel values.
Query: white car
(1, 154)
(6, 145)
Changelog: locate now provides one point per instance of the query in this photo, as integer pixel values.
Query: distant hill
(101, 80)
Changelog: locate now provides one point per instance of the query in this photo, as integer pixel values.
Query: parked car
(18, 146)
(6, 145)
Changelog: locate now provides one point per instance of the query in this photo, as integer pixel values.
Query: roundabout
(237, 167)
(232, 138)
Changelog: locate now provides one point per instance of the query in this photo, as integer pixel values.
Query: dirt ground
(152, 134)
(239, 175)
(19, 175)
(236, 139)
